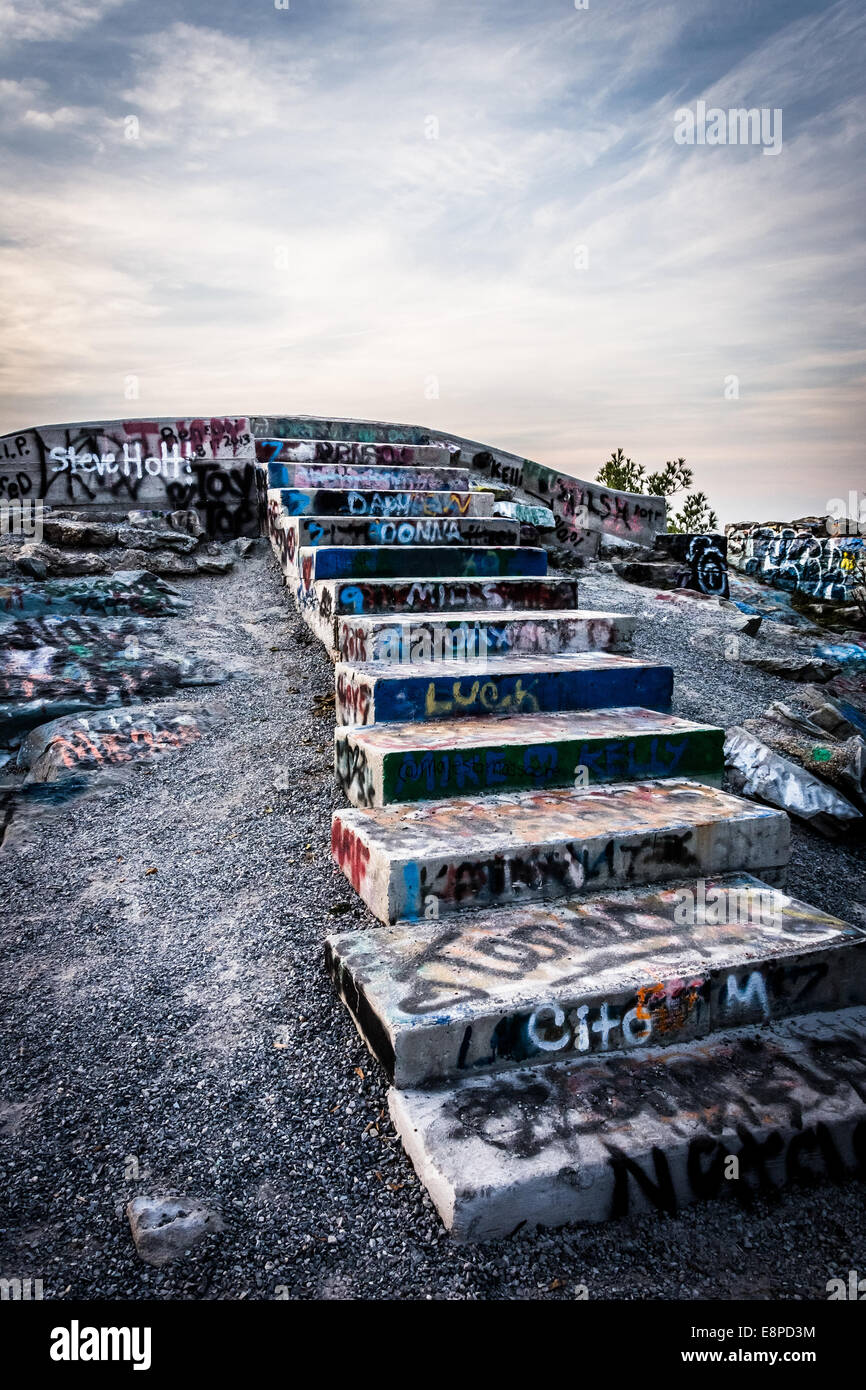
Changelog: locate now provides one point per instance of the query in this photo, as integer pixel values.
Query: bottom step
(588, 1141)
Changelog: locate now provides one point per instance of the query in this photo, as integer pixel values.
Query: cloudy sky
(473, 216)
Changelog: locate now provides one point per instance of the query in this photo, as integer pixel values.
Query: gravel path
(174, 1030)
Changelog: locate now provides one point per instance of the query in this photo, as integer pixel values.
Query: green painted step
(387, 763)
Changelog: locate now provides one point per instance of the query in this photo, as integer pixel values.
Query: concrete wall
(152, 465)
(210, 465)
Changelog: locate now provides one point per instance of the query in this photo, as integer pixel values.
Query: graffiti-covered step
(383, 478)
(410, 561)
(406, 531)
(632, 1135)
(377, 693)
(353, 452)
(353, 502)
(338, 598)
(615, 973)
(380, 764)
(435, 857)
(480, 636)
(378, 596)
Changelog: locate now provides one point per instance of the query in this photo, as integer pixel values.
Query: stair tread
(627, 720)
(566, 1142)
(533, 663)
(644, 977)
(539, 817)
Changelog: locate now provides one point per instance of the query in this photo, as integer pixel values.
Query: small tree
(624, 475)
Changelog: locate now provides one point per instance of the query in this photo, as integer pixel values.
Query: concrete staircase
(589, 992)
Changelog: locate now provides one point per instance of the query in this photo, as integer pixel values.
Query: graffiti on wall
(162, 465)
(796, 559)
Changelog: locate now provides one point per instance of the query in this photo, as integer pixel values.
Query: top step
(423, 478)
(351, 451)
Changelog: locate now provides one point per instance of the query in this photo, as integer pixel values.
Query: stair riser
(450, 595)
(630, 1137)
(369, 777)
(411, 561)
(345, 475)
(441, 639)
(476, 1037)
(398, 887)
(352, 452)
(406, 531)
(363, 698)
(324, 502)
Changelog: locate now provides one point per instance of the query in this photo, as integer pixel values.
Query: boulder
(759, 772)
(165, 1227)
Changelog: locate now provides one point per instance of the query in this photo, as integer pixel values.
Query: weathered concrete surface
(206, 465)
(482, 635)
(371, 503)
(351, 451)
(386, 763)
(377, 693)
(621, 972)
(408, 531)
(627, 1136)
(414, 561)
(441, 857)
(365, 478)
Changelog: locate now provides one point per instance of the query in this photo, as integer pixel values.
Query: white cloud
(283, 235)
(25, 21)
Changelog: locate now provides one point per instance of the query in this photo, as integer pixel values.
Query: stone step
(404, 531)
(378, 693)
(482, 636)
(616, 973)
(387, 763)
(352, 451)
(354, 502)
(333, 599)
(384, 479)
(629, 1136)
(434, 858)
(410, 561)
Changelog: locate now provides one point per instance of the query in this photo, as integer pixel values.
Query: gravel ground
(174, 1030)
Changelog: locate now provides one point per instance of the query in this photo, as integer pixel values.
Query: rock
(750, 626)
(165, 1227)
(110, 738)
(794, 668)
(214, 564)
(150, 538)
(188, 521)
(79, 533)
(766, 776)
(40, 560)
(161, 561)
